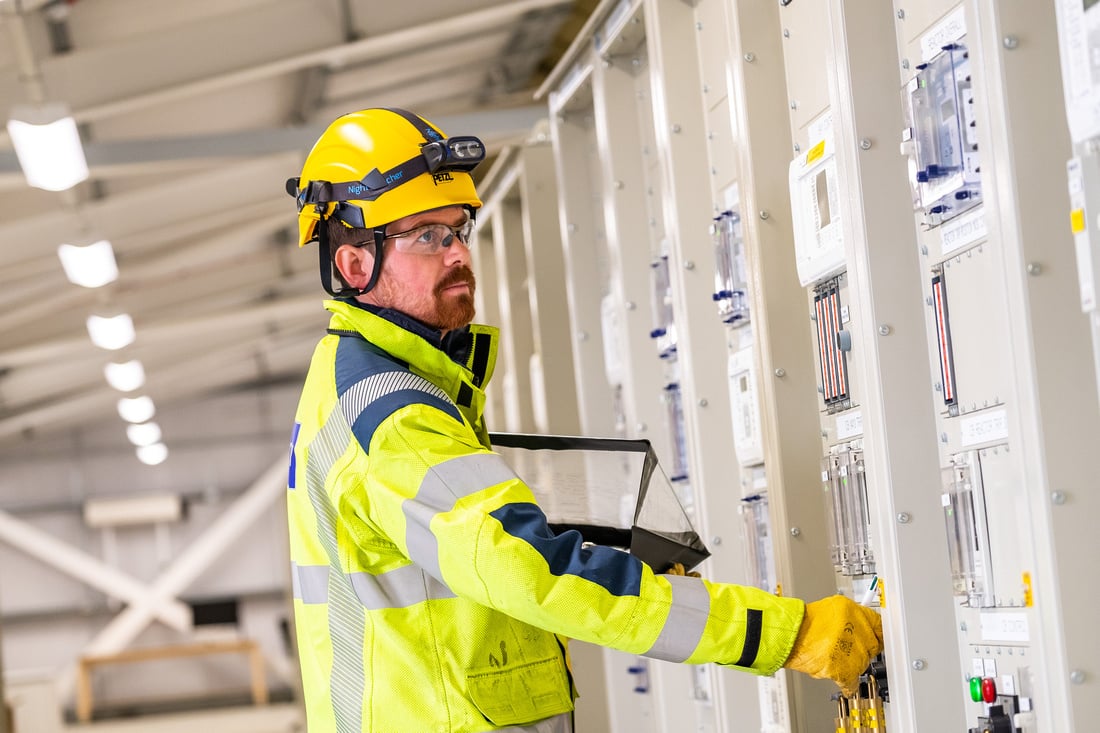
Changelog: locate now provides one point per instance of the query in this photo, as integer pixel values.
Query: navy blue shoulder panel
(371, 386)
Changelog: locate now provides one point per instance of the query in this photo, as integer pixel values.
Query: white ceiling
(193, 115)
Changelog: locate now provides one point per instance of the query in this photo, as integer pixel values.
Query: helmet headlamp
(461, 153)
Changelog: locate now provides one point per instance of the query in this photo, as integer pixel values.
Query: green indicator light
(976, 689)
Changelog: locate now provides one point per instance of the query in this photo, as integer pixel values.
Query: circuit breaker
(942, 135)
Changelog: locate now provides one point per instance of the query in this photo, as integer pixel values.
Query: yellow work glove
(837, 640)
(679, 569)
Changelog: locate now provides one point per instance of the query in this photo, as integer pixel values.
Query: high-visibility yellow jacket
(429, 594)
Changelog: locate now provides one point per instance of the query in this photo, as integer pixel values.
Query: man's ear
(355, 264)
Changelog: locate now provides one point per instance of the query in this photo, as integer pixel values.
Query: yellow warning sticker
(815, 152)
(1077, 220)
(1029, 601)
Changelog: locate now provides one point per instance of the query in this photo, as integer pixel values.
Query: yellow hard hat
(375, 166)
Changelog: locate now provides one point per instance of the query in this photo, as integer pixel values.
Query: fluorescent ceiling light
(136, 409)
(125, 377)
(144, 434)
(153, 454)
(47, 144)
(91, 266)
(138, 509)
(111, 333)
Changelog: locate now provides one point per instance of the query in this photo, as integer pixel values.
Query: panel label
(984, 428)
(1005, 627)
(962, 231)
(849, 424)
(948, 30)
(815, 153)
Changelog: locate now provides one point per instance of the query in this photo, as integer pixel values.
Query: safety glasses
(430, 239)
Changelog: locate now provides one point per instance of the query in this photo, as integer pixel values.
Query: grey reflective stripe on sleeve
(360, 395)
(310, 582)
(687, 619)
(441, 486)
(406, 586)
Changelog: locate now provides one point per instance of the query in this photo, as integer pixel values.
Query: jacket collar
(471, 349)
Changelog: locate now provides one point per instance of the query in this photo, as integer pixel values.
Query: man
(430, 595)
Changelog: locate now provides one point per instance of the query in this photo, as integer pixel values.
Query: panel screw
(716, 540)
(903, 517)
(794, 104)
(795, 531)
(641, 427)
(750, 57)
(786, 33)
(865, 144)
(797, 148)
(689, 265)
(1058, 497)
(905, 63)
(780, 372)
(764, 214)
(1010, 42)
(901, 15)
(582, 336)
(943, 437)
(619, 185)
(918, 664)
(1034, 268)
(703, 402)
(630, 305)
(676, 128)
(698, 26)
(1077, 676)
(572, 228)
(884, 330)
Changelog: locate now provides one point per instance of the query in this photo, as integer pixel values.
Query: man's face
(437, 289)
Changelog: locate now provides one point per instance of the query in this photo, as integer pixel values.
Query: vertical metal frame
(546, 287)
(680, 131)
(517, 346)
(902, 463)
(1055, 446)
(629, 246)
(572, 133)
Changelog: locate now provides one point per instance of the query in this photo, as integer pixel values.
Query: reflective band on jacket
(358, 398)
(400, 588)
(442, 486)
(348, 681)
(687, 619)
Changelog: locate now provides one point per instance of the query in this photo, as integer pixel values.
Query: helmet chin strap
(325, 262)
(376, 270)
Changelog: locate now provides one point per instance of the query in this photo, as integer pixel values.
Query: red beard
(455, 311)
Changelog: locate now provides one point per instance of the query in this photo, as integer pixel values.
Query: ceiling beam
(252, 143)
(374, 47)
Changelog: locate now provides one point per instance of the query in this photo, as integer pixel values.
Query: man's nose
(457, 253)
